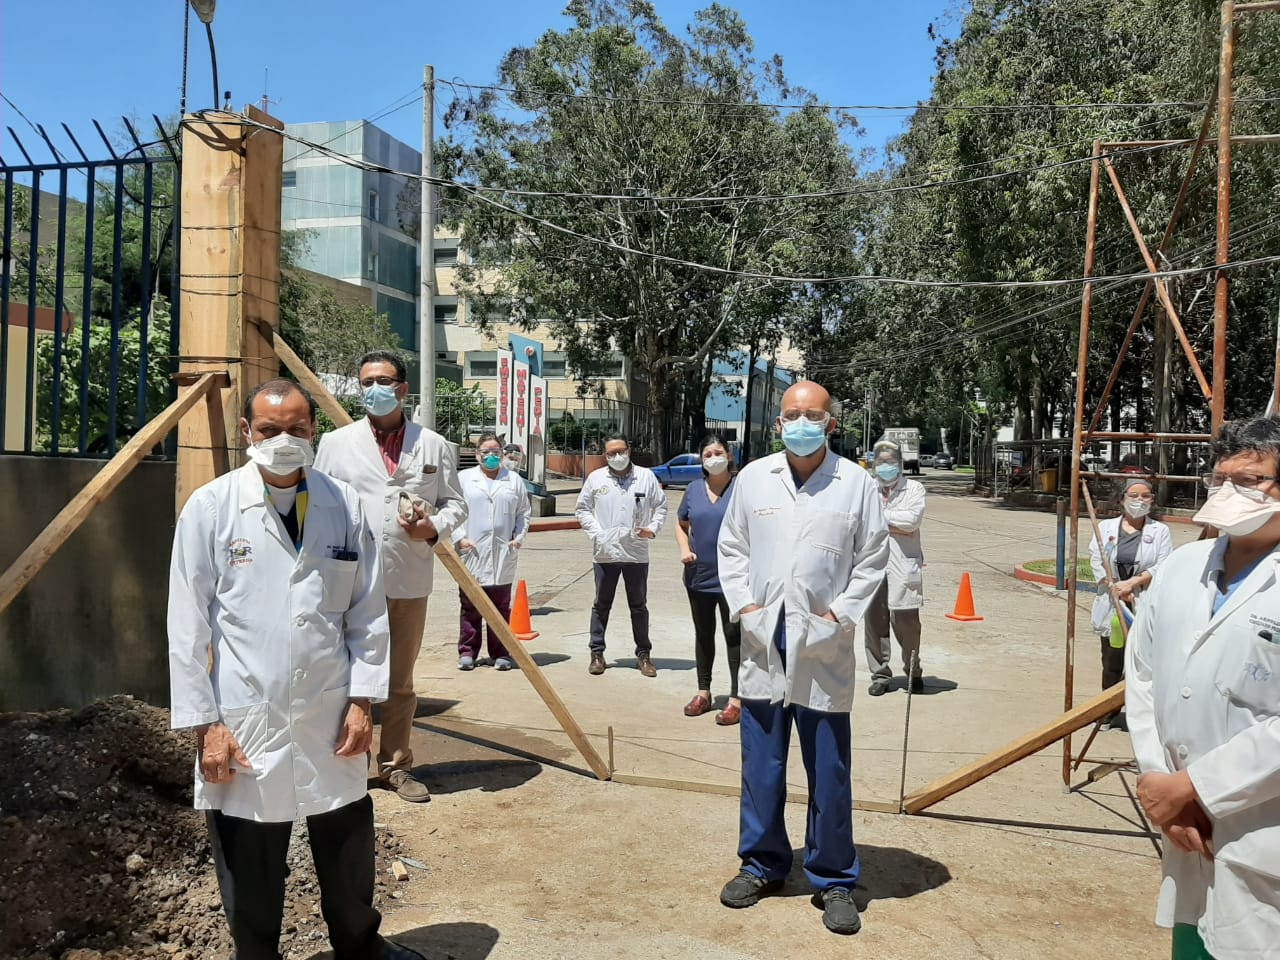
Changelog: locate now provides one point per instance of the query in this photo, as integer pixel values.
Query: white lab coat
(607, 511)
(292, 636)
(498, 514)
(904, 510)
(822, 548)
(1204, 695)
(428, 468)
(1154, 547)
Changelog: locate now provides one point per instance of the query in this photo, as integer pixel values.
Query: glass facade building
(352, 218)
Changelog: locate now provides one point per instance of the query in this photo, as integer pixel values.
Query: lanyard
(298, 512)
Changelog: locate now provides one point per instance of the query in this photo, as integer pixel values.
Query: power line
(851, 107)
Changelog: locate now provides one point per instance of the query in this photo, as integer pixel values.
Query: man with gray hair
(1203, 699)
(901, 595)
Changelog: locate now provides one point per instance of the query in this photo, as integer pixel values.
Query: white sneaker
(466, 663)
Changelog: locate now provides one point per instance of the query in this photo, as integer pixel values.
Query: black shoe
(839, 912)
(396, 951)
(917, 684)
(746, 889)
(878, 688)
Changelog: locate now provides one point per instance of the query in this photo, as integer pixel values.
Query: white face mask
(512, 464)
(715, 465)
(619, 461)
(1235, 513)
(1137, 509)
(282, 454)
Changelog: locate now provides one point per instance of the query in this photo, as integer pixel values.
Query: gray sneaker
(839, 912)
(466, 663)
(878, 687)
(503, 663)
(746, 889)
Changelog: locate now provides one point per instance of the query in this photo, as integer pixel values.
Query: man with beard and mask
(277, 646)
(901, 595)
(802, 551)
(621, 508)
(1136, 543)
(388, 458)
(1203, 701)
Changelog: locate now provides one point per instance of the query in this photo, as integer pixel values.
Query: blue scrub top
(704, 519)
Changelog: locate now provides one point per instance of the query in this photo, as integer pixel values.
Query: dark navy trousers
(830, 858)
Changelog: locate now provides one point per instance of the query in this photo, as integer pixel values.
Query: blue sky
(73, 60)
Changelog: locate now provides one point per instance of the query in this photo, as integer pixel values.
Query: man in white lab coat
(498, 515)
(897, 603)
(1203, 704)
(802, 551)
(384, 456)
(277, 647)
(621, 508)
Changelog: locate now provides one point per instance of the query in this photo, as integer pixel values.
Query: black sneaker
(878, 688)
(746, 889)
(917, 684)
(839, 912)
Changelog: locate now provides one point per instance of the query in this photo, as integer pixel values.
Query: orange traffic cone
(964, 602)
(520, 624)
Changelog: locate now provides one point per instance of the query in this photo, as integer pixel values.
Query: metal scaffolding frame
(1214, 389)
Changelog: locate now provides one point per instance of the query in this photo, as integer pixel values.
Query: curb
(546, 526)
(1020, 572)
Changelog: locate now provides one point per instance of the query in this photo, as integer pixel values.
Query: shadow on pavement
(488, 776)
(932, 686)
(888, 873)
(543, 659)
(662, 663)
(427, 707)
(458, 941)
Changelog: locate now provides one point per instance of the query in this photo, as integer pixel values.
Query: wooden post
(1082, 373)
(231, 174)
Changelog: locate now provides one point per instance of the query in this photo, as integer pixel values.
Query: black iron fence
(88, 290)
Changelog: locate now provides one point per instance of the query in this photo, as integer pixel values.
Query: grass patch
(1050, 567)
(968, 470)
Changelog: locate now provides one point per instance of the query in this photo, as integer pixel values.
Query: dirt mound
(102, 856)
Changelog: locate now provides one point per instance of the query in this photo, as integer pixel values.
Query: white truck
(908, 441)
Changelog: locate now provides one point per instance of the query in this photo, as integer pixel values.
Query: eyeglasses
(1241, 481)
(380, 381)
(813, 416)
(1139, 496)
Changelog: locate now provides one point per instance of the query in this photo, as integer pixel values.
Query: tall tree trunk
(748, 397)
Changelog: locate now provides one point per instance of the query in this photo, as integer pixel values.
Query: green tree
(617, 105)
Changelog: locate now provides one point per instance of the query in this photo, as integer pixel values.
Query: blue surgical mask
(802, 437)
(888, 472)
(380, 400)
(491, 461)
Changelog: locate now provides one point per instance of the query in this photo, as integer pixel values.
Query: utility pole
(427, 254)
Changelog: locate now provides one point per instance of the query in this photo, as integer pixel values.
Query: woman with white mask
(698, 534)
(1135, 543)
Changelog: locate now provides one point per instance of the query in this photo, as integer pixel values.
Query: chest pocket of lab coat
(414, 477)
(831, 533)
(337, 579)
(1249, 676)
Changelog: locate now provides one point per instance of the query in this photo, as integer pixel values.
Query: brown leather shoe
(697, 706)
(646, 666)
(597, 663)
(407, 787)
(729, 715)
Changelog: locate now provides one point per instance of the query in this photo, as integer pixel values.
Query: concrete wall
(92, 623)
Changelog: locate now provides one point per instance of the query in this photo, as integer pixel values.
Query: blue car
(680, 471)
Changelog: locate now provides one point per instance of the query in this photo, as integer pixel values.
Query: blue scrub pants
(830, 858)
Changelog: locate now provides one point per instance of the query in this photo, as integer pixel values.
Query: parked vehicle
(943, 461)
(926, 460)
(908, 441)
(680, 471)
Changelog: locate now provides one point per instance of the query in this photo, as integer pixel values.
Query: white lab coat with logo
(1156, 545)
(821, 548)
(1204, 695)
(606, 510)
(428, 469)
(498, 514)
(292, 636)
(904, 511)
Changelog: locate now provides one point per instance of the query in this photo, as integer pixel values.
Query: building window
(289, 179)
(446, 256)
(446, 309)
(608, 369)
(373, 205)
(482, 364)
(371, 267)
(554, 367)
